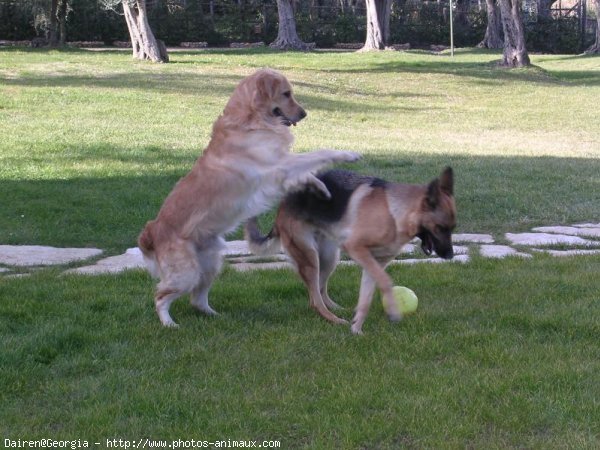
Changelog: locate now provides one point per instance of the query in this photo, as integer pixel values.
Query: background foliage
(325, 22)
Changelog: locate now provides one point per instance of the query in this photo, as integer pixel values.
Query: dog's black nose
(448, 254)
(302, 114)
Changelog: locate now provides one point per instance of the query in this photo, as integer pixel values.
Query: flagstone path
(571, 240)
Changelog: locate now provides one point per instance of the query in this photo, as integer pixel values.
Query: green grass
(93, 142)
(500, 354)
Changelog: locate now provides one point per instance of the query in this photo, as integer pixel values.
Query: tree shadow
(489, 70)
(493, 194)
(162, 82)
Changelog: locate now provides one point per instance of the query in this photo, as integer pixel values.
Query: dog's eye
(287, 94)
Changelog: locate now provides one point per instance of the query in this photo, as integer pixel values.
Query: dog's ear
(267, 86)
(445, 184)
(447, 181)
(432, 197)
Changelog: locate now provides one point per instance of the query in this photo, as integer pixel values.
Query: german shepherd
(368, 218)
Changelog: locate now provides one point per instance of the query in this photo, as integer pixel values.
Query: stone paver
(566, 252)
(587, 225)
(237, 248)
(257, 259)
(456, 259)
(131, 259)
(472, 238)
(38, 255)
(500, 251)
(241, 259)
(571, 231)
(460, 250)
(246, 267)
(548, 239)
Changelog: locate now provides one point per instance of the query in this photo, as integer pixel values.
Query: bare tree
(595, 48)
(515, 52)
(287, 36)
(143, 42)
(378, 24)
(493, 31)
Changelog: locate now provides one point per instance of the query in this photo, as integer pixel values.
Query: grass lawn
(500, 354)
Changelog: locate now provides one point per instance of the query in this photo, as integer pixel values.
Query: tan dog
(371, 220)
(244, 171)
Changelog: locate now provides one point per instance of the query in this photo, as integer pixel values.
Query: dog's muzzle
(287, 121)
(426, 241)
(429, 243)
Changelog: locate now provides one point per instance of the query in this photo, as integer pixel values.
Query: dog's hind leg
(329, 256)
(163, 299)
(304, 254)
(210, 262)
(180, 272)
(199, 299)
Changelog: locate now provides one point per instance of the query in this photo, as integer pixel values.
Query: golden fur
(244, 170)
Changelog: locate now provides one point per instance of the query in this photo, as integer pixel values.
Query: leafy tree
(49, 18)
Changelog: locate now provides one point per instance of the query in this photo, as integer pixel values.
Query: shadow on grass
(216, 86)
(494, 194)
(163, 81)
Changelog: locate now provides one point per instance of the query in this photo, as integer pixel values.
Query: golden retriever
(245, 169)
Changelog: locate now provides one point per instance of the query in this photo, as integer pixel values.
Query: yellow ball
(406, 299)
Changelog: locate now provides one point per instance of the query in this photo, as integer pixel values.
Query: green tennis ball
(406, 299)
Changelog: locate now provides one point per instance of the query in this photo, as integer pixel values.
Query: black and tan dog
(368, 218)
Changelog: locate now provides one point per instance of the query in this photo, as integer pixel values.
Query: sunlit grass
(524, 144)
(500, 354)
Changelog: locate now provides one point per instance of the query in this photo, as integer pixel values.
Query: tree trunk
(212, 11)
(53, 25)
(62, 21)
(378, 24)
(493, 31)
(515, 53)
(143, 42)
(287, 37)
(595, 49)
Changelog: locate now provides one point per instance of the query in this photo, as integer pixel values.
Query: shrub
(554, 35)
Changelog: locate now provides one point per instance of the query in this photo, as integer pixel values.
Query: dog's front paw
(356, 330)
(394, 318)
(346, 156)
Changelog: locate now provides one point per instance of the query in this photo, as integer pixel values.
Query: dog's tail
(146, 245)
(259, 244)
